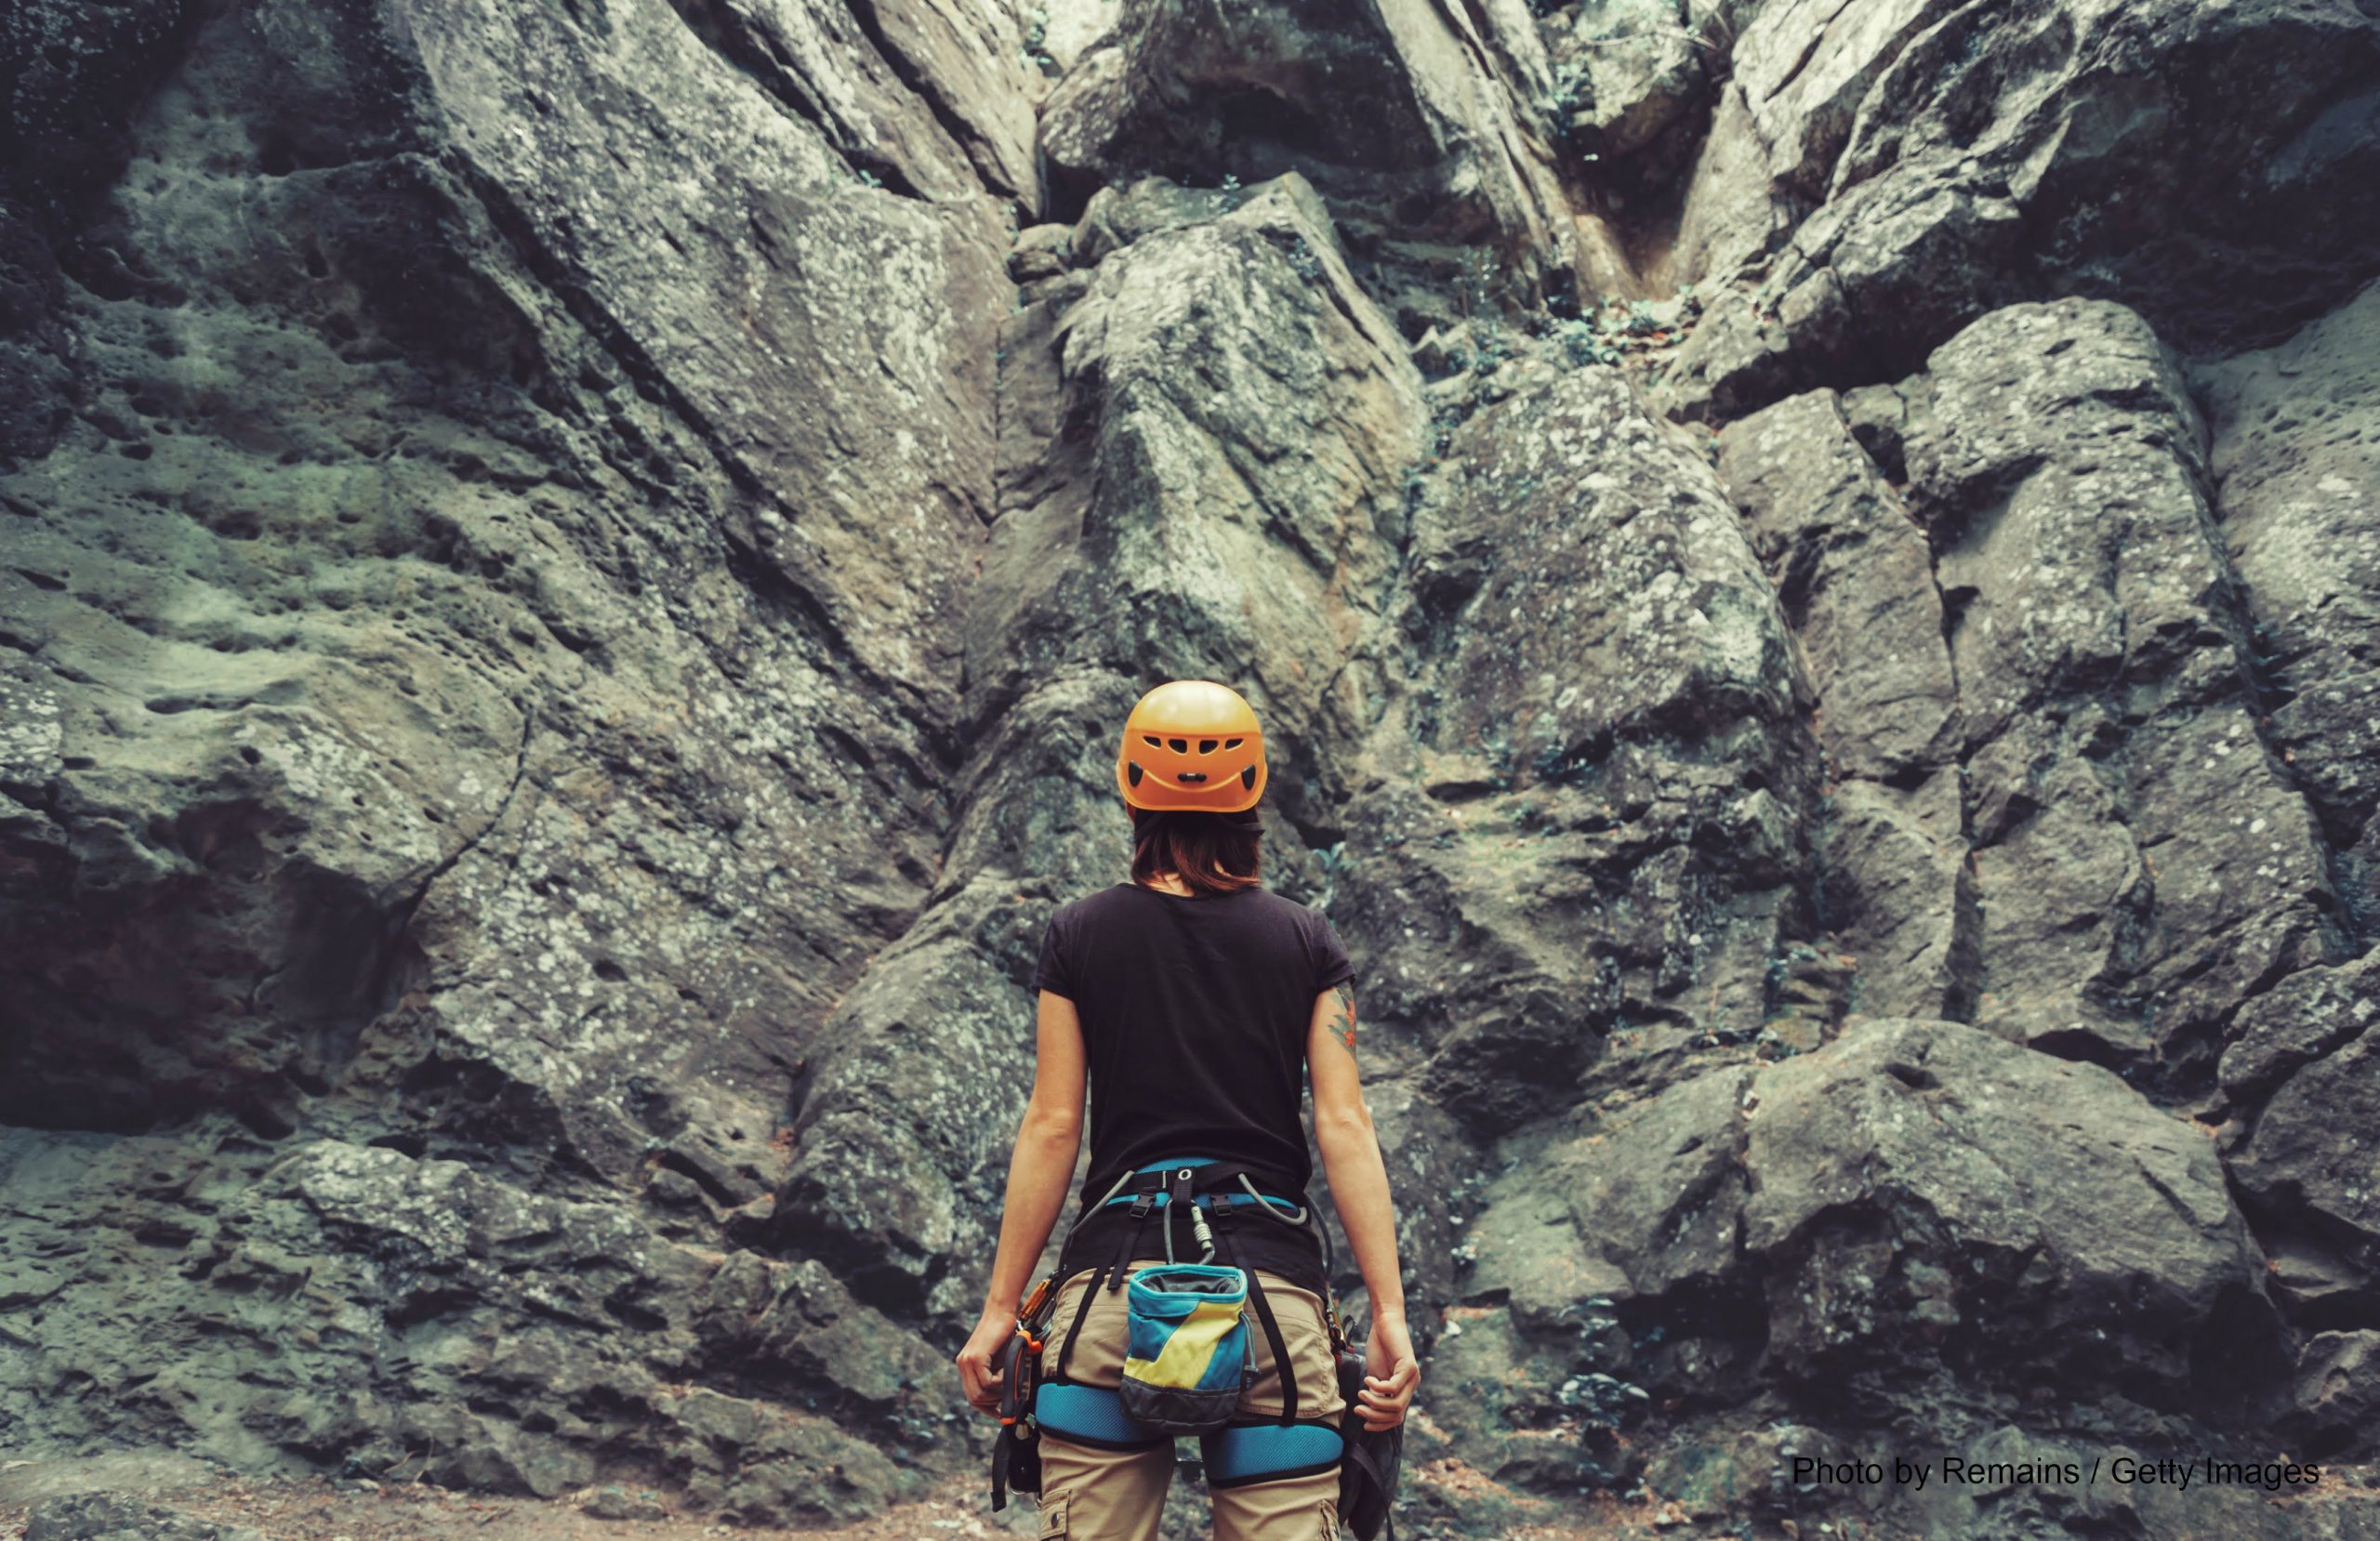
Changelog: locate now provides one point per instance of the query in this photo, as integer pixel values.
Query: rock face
(1855, 574)
(2146, 861)
(1424, 109)
(566, 573)
(1927, 162)
(2295, 456)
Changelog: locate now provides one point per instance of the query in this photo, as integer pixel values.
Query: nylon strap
(1265, 1319)
(1280, 1349)
(1112, 1271)
(1073, 1328)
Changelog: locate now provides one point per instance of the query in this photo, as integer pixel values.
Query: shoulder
(1088, 906)
(1304, 918)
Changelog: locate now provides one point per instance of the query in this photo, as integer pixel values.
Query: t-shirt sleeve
(1051, 973)
(1331, 963)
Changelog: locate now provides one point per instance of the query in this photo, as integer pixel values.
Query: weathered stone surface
(1938, 162)
(1586, 684)
(1856, 579)
(1625, 72)
(562, 612)
(2310, 1159)
(2297, 1022)
(75, 74)
(411, 734)
(1392, 103)
(2296, 459)
(37, 375)
(1806, 66)
(1918, 1203)
(1914, 1199)
(1728, 221)
(931, 96)
(1853, 572)
(119, 1517)
(2032, 1219)
(2339, 1392)
(1204, 423)
(1900, 898)
(2144, 861)
(355, 1301)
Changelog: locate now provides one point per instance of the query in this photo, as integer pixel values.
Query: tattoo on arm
(1347, 1016)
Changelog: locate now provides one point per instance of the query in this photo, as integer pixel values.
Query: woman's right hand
(1391, 1376)
(979, 1374)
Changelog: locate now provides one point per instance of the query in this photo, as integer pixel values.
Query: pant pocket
(1054, 1515)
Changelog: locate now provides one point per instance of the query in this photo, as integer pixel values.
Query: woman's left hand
(976, 1371)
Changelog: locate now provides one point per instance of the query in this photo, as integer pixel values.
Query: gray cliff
(568, 569)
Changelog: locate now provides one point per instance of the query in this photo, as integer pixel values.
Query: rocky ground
(567, 573)
(162, 1498)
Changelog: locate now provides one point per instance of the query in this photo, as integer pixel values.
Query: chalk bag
(1186, 1355)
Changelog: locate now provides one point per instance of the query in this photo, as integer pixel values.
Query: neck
(1172, 883)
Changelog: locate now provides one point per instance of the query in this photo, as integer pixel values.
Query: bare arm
(1039, 1171)
(1342, 1131)
(1043, 1166)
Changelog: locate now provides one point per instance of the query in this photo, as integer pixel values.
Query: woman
(1195, 1000)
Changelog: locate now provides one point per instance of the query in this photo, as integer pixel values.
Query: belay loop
(1178, 1193)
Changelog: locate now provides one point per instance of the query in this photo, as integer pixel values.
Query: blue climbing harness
(1237, 1449)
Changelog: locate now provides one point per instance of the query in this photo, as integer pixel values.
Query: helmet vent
(1247, 778)
(1149, 738)
(1133, 770)
(1178, 745)
(1231, 743)
(1206, 746)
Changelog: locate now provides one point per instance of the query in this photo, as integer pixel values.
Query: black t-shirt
(1195, 1014)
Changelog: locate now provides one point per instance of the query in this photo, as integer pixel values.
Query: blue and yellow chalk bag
(1186, 1358)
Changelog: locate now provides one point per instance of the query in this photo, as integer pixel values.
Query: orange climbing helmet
(1192, 744)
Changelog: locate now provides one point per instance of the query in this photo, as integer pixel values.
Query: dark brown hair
(1189, 844)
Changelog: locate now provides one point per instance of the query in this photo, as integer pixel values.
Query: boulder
(2308, 1161)
(1928, 1193)
(1913, 1216)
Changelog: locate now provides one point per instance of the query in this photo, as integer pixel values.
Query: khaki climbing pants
(1098, 1494)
